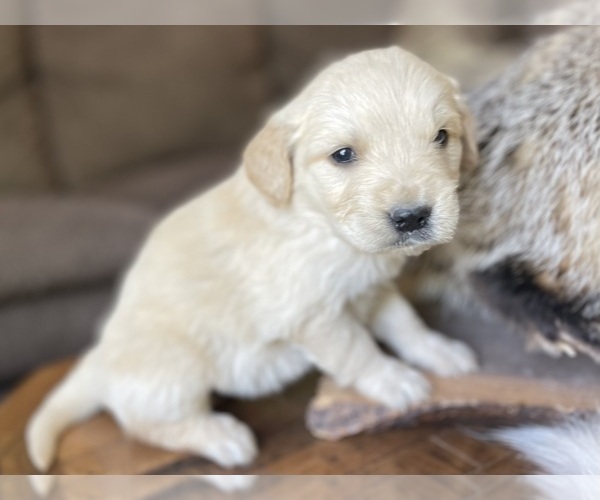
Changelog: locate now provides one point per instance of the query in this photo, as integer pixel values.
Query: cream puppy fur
(287, 264)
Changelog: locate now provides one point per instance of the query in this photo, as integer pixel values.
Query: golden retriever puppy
(287, 264)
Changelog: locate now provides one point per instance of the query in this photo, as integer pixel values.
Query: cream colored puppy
(287, 264)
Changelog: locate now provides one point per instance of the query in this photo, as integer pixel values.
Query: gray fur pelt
(528, 242)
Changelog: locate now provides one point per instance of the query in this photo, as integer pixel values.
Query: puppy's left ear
(268, 162)
(470, 153)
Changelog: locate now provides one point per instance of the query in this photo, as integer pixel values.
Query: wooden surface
(335, 413)
(98, 446)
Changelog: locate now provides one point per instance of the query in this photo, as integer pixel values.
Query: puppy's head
(375, 145)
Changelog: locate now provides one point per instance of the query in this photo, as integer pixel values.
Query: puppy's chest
(342, 275)
(358, 275)
(313, 273)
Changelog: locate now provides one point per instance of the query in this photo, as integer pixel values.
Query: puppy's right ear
(268, 162)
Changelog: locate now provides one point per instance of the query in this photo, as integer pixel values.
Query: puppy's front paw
(229, 442)
(441, 355)
(393, 384)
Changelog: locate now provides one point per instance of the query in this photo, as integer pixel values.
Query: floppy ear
(470, 153)
(268, 163)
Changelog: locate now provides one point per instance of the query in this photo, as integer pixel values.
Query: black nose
(407, 220)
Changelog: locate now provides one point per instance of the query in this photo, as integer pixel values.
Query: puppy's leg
(162, 397)
(395, 323)
(344, 349)
(219, 437)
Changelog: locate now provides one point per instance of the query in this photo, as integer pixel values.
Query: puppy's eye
(442, 137)
(344, 155)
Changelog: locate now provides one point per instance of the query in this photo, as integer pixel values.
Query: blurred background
(103, 129)
(263, 12)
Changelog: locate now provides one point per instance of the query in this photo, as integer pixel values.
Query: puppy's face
(375, 144)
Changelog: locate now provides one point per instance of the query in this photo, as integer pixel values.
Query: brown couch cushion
(50, 244)
(119, 95)
(40, 329)
(21, 167)
(166, 183)
(11, 67)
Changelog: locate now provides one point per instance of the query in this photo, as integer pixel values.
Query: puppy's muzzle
(408, 220)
